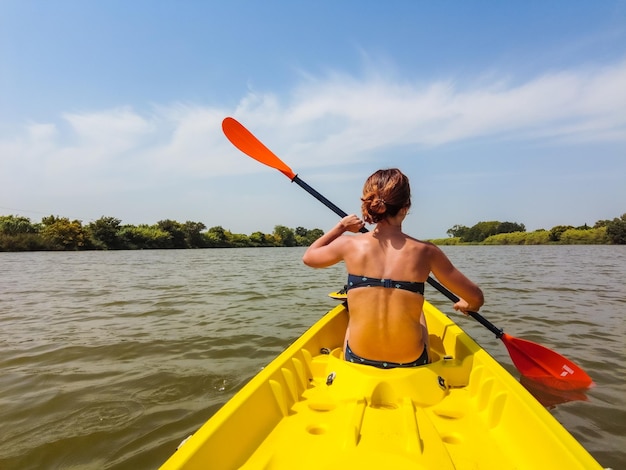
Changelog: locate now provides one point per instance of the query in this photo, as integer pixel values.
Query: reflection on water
(550, 396)
(110, 359)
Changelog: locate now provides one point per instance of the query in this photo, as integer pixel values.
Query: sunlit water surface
(109, 359)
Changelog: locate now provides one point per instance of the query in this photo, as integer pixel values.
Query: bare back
(385, 323)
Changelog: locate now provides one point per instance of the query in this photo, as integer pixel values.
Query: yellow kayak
(310, 409)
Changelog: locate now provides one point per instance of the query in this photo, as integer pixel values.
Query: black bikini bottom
(351, 357)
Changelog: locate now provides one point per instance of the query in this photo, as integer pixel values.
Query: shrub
(446, 241)
(513, 238)
(21, 242)
(593, 236)
(538, 237)
(616, 230)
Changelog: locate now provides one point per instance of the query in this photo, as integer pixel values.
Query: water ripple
(110, 359)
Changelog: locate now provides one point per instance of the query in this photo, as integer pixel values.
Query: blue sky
(510, 111)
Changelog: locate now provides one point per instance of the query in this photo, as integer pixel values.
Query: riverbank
(574, 236)
(107, 233)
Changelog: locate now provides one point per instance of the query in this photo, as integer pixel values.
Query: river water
(110, 359)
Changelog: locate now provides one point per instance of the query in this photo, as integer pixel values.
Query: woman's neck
(388, 226)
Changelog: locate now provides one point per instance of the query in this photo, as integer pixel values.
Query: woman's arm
(471, 295)
(329, 249)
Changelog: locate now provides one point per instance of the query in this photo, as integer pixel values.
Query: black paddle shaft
(477, 316)
(321, 198)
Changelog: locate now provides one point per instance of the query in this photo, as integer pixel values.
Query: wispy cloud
(348, 116)
(320, 119)
(591, 101)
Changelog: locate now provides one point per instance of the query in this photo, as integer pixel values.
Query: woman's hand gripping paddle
(532, 360)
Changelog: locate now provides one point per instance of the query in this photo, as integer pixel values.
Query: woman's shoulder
(415, 242)
(352, 240)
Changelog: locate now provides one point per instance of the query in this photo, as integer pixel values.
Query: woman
(387, 270)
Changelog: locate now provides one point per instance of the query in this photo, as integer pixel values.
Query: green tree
(175, 230)
(60, 233)
(510, 227)
(261, 239)
(313, 235)
(216, 237)
(301, 231)
(238, 240)
(14, 224)
(506, 238)
(557, 231)
(17, 233)
(301, 234)
(584, 236)
(304, 237)
(480, 231)
(105, 233)
(145, 237)
(193, 234)
(457, 231)
(616, 230)
(601, 223)
(538, 237)
(284, 236)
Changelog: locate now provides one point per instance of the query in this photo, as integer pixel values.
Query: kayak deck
(311, 409)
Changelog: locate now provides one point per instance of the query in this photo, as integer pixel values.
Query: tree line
(56, 233)
(512, 233)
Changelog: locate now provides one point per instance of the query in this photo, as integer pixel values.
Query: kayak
(310, 409)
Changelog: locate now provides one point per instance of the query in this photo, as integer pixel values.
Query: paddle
(531, 359)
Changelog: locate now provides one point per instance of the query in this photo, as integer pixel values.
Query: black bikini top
(362, 281)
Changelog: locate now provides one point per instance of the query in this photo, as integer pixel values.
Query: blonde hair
(384, 194)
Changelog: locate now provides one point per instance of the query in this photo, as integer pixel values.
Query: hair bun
(384, 193)
(378, 205)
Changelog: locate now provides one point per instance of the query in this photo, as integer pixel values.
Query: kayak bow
(310, 409)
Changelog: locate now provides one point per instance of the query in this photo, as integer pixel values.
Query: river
(109, 359)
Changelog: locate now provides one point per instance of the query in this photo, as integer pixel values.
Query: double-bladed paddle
(531, 359)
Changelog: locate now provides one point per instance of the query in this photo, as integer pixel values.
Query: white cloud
(116, 130)
(343, 115)
(326, 121)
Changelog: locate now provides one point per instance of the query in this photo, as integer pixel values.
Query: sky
(509, 111)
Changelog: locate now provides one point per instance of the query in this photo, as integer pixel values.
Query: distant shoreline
(56, 233)
(569, 236)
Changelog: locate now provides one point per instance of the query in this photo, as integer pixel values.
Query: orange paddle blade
(243, 139)
(544, 365)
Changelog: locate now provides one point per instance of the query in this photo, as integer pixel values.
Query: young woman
(387, 270)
